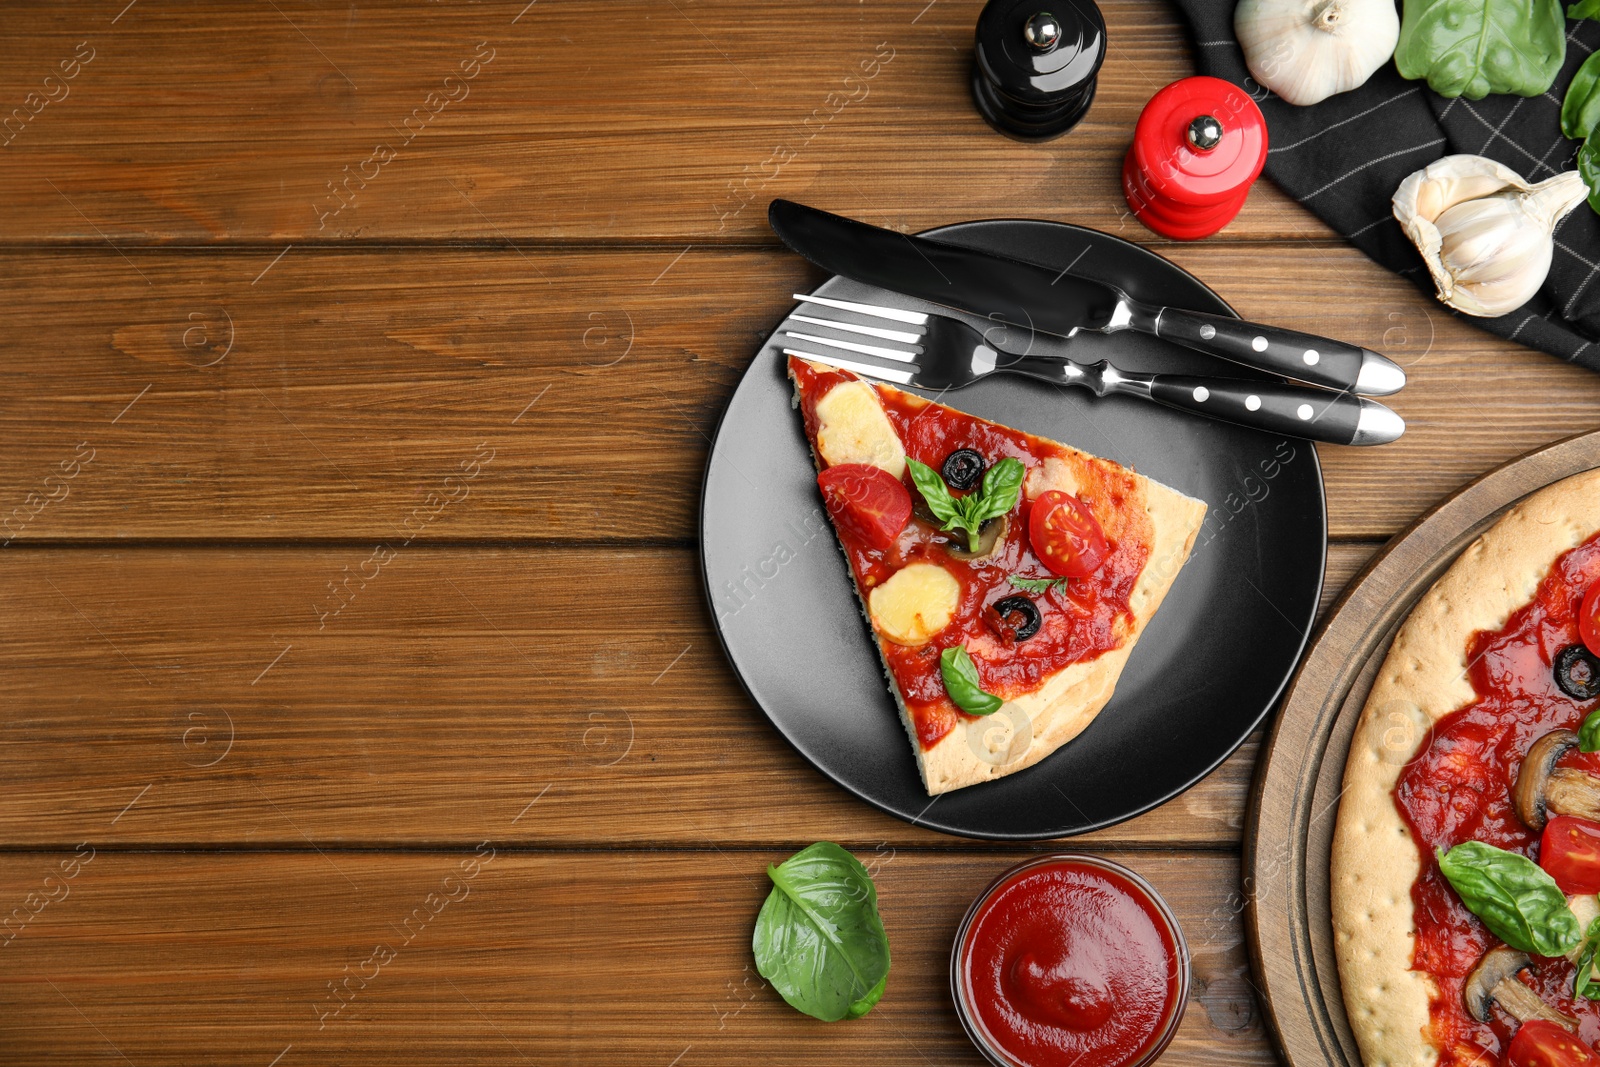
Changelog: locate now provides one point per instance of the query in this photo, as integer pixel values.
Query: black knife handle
(1317, 414)
(1303, 356)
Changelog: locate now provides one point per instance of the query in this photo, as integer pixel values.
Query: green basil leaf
(819, 939)
(1584, 9)
(967, 511)
(1515, 898)
(1580, 110)
(1589, 732)
(1472, 48)
(1035, 585)
(1589, 169)
(961, 682)
(931, 485)
(1583, 980)
(1002, 485)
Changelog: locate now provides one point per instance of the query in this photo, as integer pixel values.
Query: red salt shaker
(1199, 145)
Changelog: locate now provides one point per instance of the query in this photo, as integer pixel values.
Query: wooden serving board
(1289, 828)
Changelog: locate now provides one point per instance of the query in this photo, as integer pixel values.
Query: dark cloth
(1344, 157)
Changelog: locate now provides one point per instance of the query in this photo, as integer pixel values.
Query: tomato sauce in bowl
(1070, 961)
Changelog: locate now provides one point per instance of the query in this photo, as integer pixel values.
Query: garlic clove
(1497, 252)
(1484, 232)
(1308, 50)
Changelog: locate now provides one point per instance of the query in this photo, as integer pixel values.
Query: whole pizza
(1466, 857)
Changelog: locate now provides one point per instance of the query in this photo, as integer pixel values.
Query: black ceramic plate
(1207, 669)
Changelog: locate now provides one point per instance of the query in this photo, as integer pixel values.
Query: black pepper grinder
(1034, 65)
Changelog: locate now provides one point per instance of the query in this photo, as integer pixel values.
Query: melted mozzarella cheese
(852, 428)
(915, 603)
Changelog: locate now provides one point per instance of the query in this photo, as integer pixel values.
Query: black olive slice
(1011, 608)
(1578, 672)
(963, 469)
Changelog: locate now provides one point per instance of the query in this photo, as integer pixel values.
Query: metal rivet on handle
(1311, 357)
(1202, 394)
(1304, 412)
(1259, 344)
(1207, 332)
(1252, 402)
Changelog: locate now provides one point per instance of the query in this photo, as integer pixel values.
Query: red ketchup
(1070, 961)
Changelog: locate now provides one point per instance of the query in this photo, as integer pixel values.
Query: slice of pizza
(1467, 850)
(1006, 577)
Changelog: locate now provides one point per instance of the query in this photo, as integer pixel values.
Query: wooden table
(356, 376)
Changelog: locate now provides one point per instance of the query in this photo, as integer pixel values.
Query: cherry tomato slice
(866, 501)
(1589, 619)
(1569, 852)
(1065, 535)
(1540, 1043)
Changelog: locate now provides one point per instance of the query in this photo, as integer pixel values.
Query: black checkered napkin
(1344, 157)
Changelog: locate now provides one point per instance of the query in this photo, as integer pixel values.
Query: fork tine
(853, 346)
(903, 336)
(888, 374)
(915, 318)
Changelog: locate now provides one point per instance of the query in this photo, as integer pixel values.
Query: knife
(1034, 297)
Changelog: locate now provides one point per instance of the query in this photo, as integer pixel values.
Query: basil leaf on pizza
(1035, 585)
(1002, 485)
(1583, 977)
(1515, 898)
(962, 683)
(1001, 488)
(930, 483)
(1589, 732)
(819, 939)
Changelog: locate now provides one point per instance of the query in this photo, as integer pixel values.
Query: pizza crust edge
(1423, 678)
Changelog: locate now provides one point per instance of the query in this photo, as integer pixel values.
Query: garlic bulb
(1486, 235)
(1308, 50)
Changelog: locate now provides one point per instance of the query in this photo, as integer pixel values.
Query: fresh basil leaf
(1589, 732)
(1035, 585)
(1002, 485)
(931, 485)
(1584, 9)
(1515, 898)
(1583, 980)
(1589, 169)
(1472, 48)
(962, 683)
(1580, 110)
(819, 939)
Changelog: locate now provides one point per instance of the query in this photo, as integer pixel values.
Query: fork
(946, 353)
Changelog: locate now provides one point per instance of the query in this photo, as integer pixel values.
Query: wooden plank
(613, 958)
(255, 697)
(306, 122)
(327, 394)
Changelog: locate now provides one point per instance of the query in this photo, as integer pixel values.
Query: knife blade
(1031, 296)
